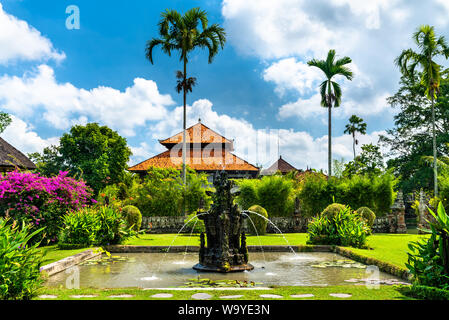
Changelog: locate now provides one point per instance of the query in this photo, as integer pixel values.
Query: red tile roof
(280, 165)
(208, 160)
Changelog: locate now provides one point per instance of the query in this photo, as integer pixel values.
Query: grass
(183, 240)
(53, 253)
(320, 293)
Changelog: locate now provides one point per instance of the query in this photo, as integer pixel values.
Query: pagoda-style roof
(10, 158)
(198, 160)
(281, 165)
(199, 134)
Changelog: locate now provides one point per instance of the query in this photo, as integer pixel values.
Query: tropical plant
(345, 228)
(181, 33)
(431, 48)
(99, 225)
(370, 161)
(330, 90)
(428, 260)
(355, 125)
(258, 222)
(20, 262)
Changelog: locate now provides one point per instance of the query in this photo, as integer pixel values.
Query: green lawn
(320, 293)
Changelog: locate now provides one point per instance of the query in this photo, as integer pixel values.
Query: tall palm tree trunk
(184, 176)
(435, 170)
(330, 141)
(353, 143)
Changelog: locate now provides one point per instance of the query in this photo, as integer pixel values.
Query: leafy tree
(411, 138)
(355, 125)
(370, 161)
(5, 120)
(97, 154)
(181, 33)
(50, 162)
(431, 48)
(330, 90)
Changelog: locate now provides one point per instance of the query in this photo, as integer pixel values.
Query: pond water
(160, 270)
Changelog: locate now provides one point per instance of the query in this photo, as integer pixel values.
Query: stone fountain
(223, 247)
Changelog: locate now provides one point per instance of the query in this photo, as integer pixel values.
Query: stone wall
(294, 224)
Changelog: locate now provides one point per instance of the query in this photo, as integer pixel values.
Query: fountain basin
(234, 268)
(145, 270)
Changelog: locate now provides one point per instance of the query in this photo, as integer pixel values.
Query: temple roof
(198, 134)
(280, 165)
(11, 157)
(211, 160)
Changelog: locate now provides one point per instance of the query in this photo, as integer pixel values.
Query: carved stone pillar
(398, 212)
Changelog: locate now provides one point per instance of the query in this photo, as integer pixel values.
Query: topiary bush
(367, 214)
(20, 262)
(193, 224)
(133, 217)
(260, 224)
(344, 228)
(332, 209)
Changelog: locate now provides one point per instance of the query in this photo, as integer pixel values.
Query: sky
(259, 89)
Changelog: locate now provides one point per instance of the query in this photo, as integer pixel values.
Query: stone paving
(162, 295)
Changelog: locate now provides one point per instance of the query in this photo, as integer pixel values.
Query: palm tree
(355, 125)
(430, 47)
(182, 33)
(330, 90)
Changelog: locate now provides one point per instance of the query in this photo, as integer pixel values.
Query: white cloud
(258, 146)
(22, 136)
(287, 33)
(63, 105)
(20, 41)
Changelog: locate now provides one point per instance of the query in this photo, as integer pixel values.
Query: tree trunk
(184, 151)
(435, 170)
(330, 140)
(353, 143)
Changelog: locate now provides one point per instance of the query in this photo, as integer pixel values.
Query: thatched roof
(11, 157)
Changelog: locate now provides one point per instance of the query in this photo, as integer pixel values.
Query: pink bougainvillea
(39, 200)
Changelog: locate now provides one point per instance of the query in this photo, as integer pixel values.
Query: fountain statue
(223, 248)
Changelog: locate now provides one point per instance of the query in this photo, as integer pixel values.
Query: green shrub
(259, 224)
(424, 292)
(345, 228)
(367, 214)
(333, 209)
(194, 225)
(317, 192)
(80, 227)
(162, 193)
(274, 193)
(20, 262)
(248, 193)
(95, 226)
(133, 217)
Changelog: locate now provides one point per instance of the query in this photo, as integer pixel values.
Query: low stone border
(61, 265)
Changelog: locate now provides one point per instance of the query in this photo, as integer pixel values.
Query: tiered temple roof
(281, 165)
(207, 151)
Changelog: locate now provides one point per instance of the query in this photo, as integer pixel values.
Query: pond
(161, 270)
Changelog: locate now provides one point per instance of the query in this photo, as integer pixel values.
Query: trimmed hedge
(424, 292)
(133, 217)
(367, 214)
(260, 224)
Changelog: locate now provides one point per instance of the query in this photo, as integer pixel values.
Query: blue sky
(257, 90)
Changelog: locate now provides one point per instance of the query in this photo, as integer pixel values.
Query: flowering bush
(42, 201)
